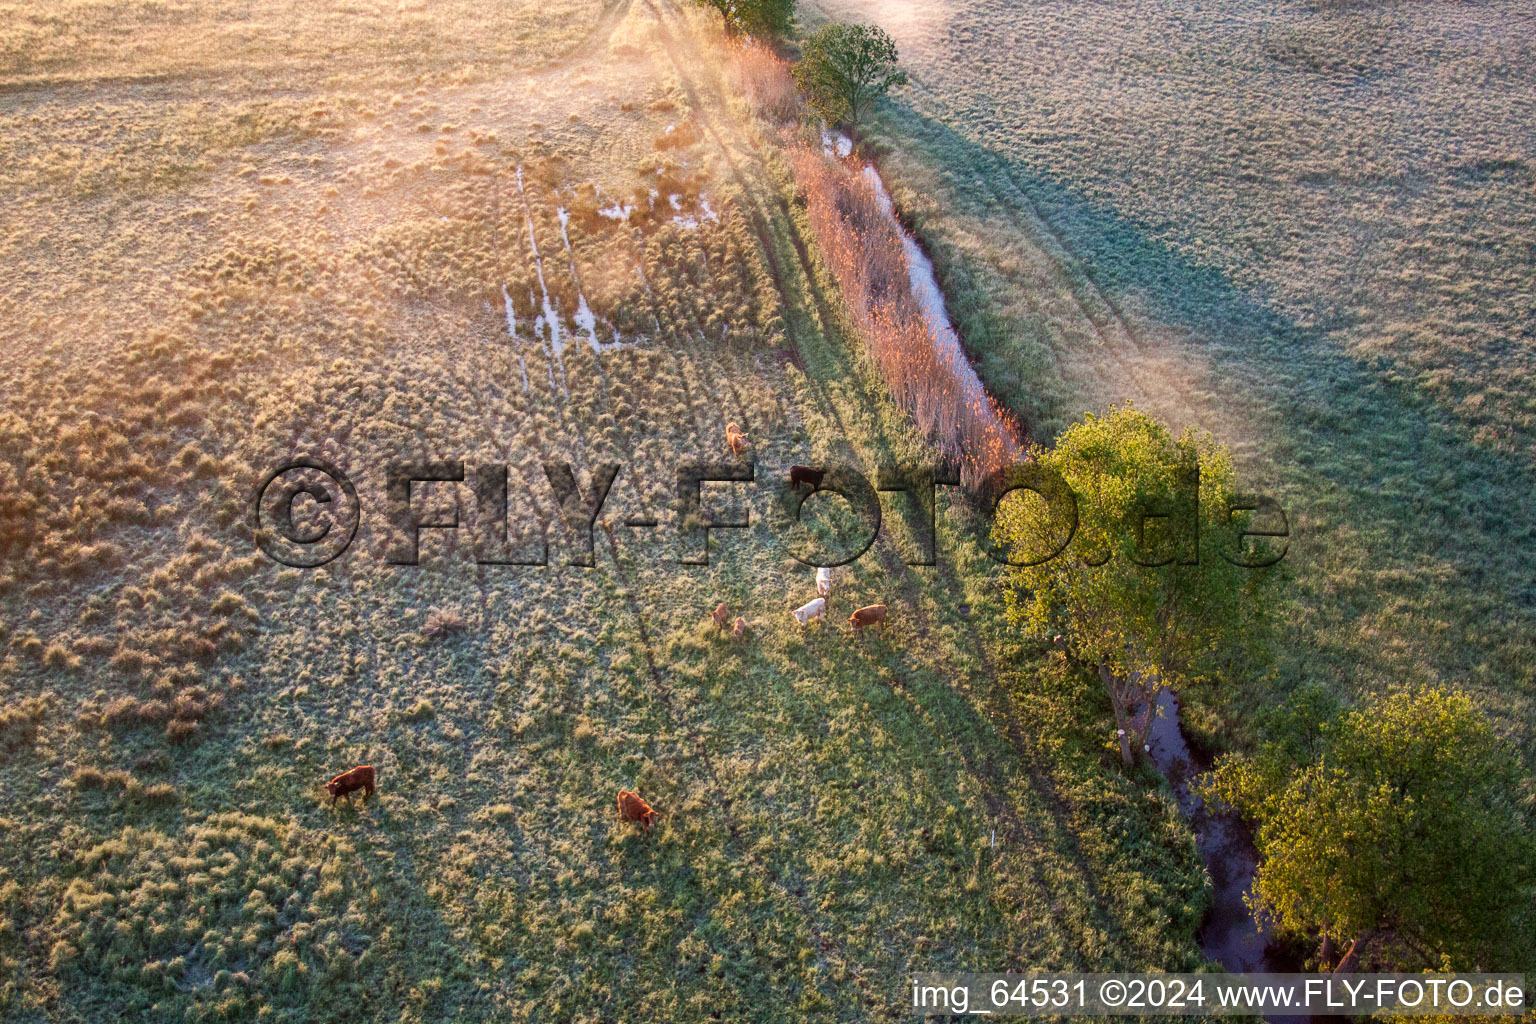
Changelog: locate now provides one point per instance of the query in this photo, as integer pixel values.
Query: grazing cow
(867, 616)
(633, 808)
(736, 438)
(739, 630)
(721, 615)
(812, 610)
(824, 581)
(350, 782)
(805, 475)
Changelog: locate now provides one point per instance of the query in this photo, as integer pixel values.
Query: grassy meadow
(509, 234)
(1304, 226)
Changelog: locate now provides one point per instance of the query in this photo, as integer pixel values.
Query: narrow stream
(1230, 935)
(930, 298)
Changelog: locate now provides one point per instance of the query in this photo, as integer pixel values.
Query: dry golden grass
(762, 76)
(94, 41)
(862, 245)
(319, 254)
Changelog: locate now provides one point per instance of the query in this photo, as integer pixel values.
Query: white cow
(812, 610)
(824, 581)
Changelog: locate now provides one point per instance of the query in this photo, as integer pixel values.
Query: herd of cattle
(813, 610)
(632, 807)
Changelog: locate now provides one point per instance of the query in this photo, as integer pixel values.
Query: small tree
(1401, 832)
(754, 17)
(844, 68)
(1132, 593)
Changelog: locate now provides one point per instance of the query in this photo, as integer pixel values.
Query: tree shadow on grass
(927, 709)
(1413, 547)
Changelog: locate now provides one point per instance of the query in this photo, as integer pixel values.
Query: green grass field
(1303, 226)
(224, 253)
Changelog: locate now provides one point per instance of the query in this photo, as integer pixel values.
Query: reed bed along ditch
(892, 298)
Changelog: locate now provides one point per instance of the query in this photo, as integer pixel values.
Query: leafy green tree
(754, 17)
(845, 68)
(1400, 832)
(1131, 592)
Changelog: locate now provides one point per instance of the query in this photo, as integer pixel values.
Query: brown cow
(739, 630)
(721, 615)
(867, 616)
(350, 782)
(736, 438)
(805, 475)
(633, 808)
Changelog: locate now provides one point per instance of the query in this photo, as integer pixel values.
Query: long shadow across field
(824, 350)
(827, 349)
(822, 347)
(1398, 518)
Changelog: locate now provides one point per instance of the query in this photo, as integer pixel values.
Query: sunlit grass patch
(540, 284)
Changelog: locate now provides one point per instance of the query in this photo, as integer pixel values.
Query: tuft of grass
(159, 793)
(181, 730)
(19, 722)
(443, 622)
(420, 711)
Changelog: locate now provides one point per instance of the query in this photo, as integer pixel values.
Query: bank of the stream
(1231, 934)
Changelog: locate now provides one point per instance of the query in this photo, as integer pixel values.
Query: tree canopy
(1393, 829)
(844, 68)
(754, 17)
(1142, 590)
